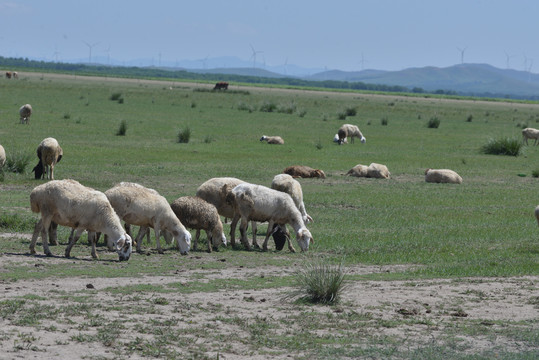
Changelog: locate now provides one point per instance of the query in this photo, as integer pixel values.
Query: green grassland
(483, 227)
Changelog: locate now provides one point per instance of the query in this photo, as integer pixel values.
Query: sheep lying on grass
(350, 131)
(358, 171)
(49, 154)
(259, 203)
(196, 213)
(304, 172)
(24, 112)
(442, 176)
(138, 205)
(68, 203)
(374, 170)
(272, 139)
(530, 133)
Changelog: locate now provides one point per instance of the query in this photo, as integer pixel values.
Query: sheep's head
(264, 137)
(124, 246)
(363, 139)
(427, 170)
(304, 238)
(319, 174)
(183, 239)
(38, 170)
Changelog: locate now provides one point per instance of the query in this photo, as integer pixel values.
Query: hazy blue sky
(337, 34)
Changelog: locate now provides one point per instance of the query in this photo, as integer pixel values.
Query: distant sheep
(442, 176)
(358, 171)
(378, 171)
(49, 154)
(530, 133)
(196, 213)
(24, 112)
(260, 203)
(138, 205)
(2, 156)
(304, 172)
(272, 139)
(350, 131)
(8, 74)
(68, 203)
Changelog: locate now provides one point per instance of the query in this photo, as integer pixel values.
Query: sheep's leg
(268, 234)
(52, 171)
(233, 224)
(93, 241)
(156, 229)
(195, 242)
(208, 235)
(35, 235)
(253, 230)
(53, 234)
(290, 247)
(44, 234)
(243, 232)
(138, 239)
(73, 238)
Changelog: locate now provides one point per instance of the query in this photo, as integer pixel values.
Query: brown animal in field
(8, 74)
(304, 172)
(222, 85)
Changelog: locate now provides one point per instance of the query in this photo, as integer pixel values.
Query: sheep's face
(183, 239)
(363, 140)
(124, 246)
(304, 238)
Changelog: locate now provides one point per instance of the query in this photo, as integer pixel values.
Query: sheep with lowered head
(442, 176)
(304, 172)
(272, 139)
(530, 133)
(260, 203)
(350, 131)
(49, 154)
(196, 213)
(68, 203)
(24, 112)
(138, 205)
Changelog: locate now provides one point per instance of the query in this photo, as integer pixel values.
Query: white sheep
(378, 171)
(339, 141)
(68, 203)
(530, 133)
(216, 191)
(260, 203)
(49, 154)
(272, 139)
(196, 213)
(25, 111)
(289, 185)
(138, 205)
(442, 176)
(350, 131)
(2, 156)
(358, 171)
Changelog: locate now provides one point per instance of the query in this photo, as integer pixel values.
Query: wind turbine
(462, 54)
(90, 46)
(253, 56)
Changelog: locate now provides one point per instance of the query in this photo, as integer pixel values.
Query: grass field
(484, 228)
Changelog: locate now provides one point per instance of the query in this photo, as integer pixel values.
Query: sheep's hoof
(292, 250)
(32, 251)
(48, 254)
(139, 251)
(264, 248)
(160, 251)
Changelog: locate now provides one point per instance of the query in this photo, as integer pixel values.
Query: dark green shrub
(469, 118)
(268, 106)
(535, 173)
(350, 111)
(17, 162)
(16, 222)
(115, 96)
(341, 115)
(433, 123)
(502, 146)
(184, 135)
(287, 108)
(122, 129)
(319, 282)
(383, 121)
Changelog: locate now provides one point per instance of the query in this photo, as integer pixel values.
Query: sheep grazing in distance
(358, 171)
(442, 176)
(138, 205)
(68, 203)
(272, 139)
(378, 171)
(49, 154)
(196, 213)
(260, 203)
(350, 131)
(304, 172)
(24, 112)
(15, 75)
(530, 133)
(2, 156)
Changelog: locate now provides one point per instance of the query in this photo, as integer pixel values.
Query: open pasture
(454, 243)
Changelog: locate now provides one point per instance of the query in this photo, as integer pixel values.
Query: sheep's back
(442, 176)
(195, 212)
(212, 192)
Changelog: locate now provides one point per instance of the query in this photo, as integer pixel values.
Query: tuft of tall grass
(535, 173)
(16, 162)
(184, 135)
(115, 96)
(502, 146)
(16, 222)
(268, 106)
(122, 129)
(433, 123)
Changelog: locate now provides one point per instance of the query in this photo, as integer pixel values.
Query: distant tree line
(156, 73)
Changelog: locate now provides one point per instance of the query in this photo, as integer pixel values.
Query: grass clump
(16, 222)
(320, 282)
(268, 106)
(502, 146)
(535, 173)
(17, 162)
(122, 129)
(384, 121)
(184, 135)
(115, 96)
(433, 123)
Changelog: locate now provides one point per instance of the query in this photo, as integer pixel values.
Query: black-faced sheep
(530, 133)
(49, 154)
(24, 112)
(350, 131)
(272, 139)
(196, 213)
(304, 172)
(138, 205)
(68, 203)
(442, 176)
(260, 203)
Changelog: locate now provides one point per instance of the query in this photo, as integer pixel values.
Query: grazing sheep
(350, 131)
(289, 185)
(304, 172)
(272, 139)
(537, 214)
(25, 111)
(68, 203)
(196, 213)
(378, 171)
(442, 176)
(15, 75)
(337, 140)
(138, 205)
(2, 156)
(358, 171)
(530, 133)
(49, 153)
(260, 203)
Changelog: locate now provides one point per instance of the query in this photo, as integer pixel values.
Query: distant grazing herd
(71, 204)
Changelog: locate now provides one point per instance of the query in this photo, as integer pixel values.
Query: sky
(349, 35)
